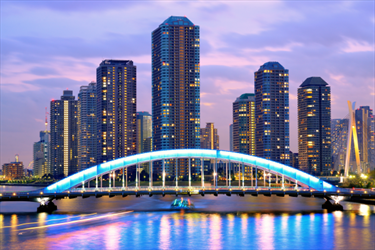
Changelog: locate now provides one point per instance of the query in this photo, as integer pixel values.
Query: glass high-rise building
(314, 126)
(144, 131)
(116, 109)
(41, 155)
(272, 112)
(209, 137)
(175, 88)
(364, 123)
(87, 126)
(64, 135)
(244, 124)
(339, 136)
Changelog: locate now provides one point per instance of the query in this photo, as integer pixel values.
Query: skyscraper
(272, 112)
(364, 123)
(209, 137)
(339, 134)
(41, 154)
(314, 126)
(87, 126)
(64, 135)
(144, 131)
(175, 87)
(116, 109)
(244, 124)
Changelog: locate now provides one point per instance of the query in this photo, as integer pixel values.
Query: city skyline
(214, 73)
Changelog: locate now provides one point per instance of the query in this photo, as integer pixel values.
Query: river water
(216, 223)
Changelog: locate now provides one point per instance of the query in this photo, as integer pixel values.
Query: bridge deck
(194, 190)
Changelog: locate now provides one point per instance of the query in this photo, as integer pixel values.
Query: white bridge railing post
(243, 175)
(176, 172)
(163, 173)
(123, 178)
(109, 179)
(202, 173)
(189, 172)
(151, 173)
(136, 176)
(230, 173)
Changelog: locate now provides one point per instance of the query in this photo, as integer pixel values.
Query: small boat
(182, 204)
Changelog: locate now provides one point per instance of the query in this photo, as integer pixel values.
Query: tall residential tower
(272, 112)
(64, 135)
(244, 124)
(87, 126)
(116, 109)
(314, 126)
(175, 87)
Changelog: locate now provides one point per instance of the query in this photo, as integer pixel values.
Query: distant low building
(13, 170)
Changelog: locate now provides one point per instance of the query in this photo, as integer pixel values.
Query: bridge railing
(185, 188)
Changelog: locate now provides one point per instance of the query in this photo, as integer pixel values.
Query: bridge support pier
(332, 207)
(47, 208)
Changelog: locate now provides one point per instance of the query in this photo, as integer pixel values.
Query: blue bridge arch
(302, 178)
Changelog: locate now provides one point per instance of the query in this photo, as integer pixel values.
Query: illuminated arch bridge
(300, 179)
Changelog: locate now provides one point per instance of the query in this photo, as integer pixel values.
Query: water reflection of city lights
(165, 228)
(338, 214)
(364, 210)
(215, 240)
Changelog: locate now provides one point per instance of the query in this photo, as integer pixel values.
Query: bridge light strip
(262, 164)
(77, 221)
(37, 222)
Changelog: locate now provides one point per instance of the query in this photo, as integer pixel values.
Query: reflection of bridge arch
(302, 178)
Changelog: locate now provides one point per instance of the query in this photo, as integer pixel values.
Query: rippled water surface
(216, 223)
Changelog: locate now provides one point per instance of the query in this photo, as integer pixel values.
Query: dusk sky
(49, 46)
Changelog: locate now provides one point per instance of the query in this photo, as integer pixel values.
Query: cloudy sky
(49, 46)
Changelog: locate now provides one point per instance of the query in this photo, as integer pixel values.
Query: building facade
(339, 135)
(244, 124)
(144, 131)
(365, 134)
(64, 135)
(209, 137)
(314, 126)
(293, 159)
(13, 170)
(175, 88)
(41, 152)
(272, 112)
(87, 126)
(116, 109)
